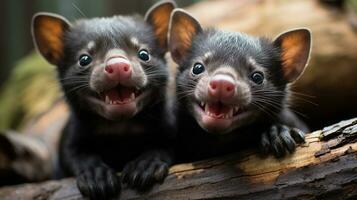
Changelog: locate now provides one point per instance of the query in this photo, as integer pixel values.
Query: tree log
(325, 167)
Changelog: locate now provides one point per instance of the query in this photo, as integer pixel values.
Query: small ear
(183, 28)
(159, 17)
(295, 46)
(47, 32)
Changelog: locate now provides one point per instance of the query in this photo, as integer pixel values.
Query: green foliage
(31, 89)
(352, 4)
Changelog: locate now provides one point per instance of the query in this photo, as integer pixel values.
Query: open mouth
(120, 95)
(219, 110)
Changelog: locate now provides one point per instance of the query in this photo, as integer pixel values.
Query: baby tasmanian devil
(113, 74)
(235, 86)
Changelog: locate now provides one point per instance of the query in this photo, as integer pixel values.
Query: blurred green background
(24, 75)
(15, 19)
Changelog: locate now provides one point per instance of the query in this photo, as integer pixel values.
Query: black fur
(87, 150)
(234, 49)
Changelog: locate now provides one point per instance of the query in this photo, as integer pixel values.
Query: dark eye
(198, 68)
(144, 55)
(85, 60)
(257, 77)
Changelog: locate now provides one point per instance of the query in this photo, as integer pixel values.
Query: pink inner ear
(296, 50)
(292, 62)
(183, 29)
(159, 18)
(48, 32)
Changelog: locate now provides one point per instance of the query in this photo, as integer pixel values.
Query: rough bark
(325, 167)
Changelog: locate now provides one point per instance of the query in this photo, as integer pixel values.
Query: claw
(281, 139)
(98, 183)
(298, 135)
(145, 171)
(287, 139)
(161, 172)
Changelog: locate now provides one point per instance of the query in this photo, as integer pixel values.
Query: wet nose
(221, 87)
(118, 68)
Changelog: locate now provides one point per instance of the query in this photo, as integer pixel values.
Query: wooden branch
(325, 167)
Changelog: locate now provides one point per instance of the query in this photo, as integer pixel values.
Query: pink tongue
(218, 109)
(119, 93)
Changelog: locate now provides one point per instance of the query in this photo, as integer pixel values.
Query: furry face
(228, 80)
(113, 67)
(124, 70)
(113, 74)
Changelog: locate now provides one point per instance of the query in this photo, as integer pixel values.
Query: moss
(31, 89)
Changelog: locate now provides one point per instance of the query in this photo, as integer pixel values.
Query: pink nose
(221, 87)
(118, 68)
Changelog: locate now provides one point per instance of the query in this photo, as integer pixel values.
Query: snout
(222, 87)
(118, 69)
(221, 101)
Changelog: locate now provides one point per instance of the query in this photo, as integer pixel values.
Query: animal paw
(143, 172)
(99, 183)
(281, 139)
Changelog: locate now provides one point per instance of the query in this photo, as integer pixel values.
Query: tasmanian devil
(232, 88)
(113, 75)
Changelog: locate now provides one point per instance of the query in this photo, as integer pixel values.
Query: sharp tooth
(206, 107)
(236, 109)
(132, 97)
(106, 99)
(230, 114)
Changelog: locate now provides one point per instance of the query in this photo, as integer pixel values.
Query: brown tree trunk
(325, 167)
